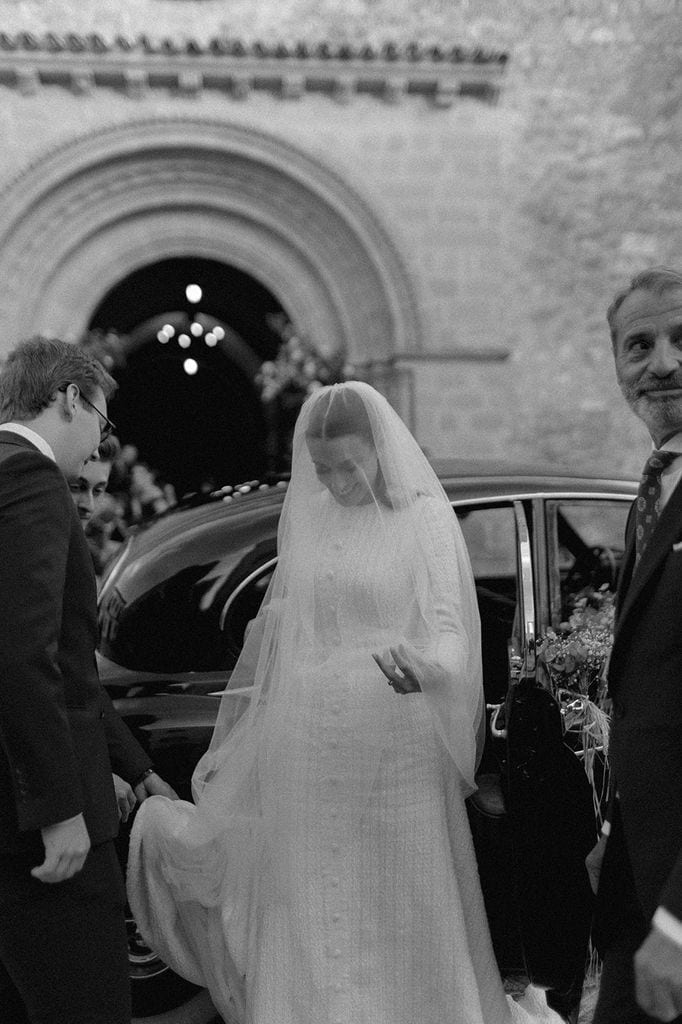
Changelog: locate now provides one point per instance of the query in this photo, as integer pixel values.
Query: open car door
(531, 848)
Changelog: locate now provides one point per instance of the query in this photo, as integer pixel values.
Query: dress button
(338, 987)
(336, 953)
(333, 744)
(336, 918)
(334, 882)
(336, 709)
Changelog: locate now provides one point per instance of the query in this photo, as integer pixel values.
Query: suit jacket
(645, 683)
(57, 726)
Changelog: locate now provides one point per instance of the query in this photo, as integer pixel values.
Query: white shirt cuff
(606, 828)
(667, 923)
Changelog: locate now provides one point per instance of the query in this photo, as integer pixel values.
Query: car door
(532, 819)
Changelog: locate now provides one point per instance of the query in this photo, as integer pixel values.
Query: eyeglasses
(108, 427)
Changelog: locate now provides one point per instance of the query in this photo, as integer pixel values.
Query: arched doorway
(110, 202)
(201, 428)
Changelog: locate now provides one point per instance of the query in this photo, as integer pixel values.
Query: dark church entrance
(187, 397)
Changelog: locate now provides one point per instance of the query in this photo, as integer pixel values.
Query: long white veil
(294, 627)
(352, 580)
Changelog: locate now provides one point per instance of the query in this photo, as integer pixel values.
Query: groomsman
(91, 483)
(63, 947)
(639, 898)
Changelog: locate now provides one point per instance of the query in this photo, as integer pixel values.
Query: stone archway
(105, 204)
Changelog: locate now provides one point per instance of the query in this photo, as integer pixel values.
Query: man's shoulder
(12, 444)
(25, 470)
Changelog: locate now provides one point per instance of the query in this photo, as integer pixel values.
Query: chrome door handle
(497, 732)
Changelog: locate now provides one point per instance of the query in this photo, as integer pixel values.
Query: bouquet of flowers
(298, 368)
(575, 658)
(285, 382)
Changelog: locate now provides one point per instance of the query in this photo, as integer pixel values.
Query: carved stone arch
(103, 205)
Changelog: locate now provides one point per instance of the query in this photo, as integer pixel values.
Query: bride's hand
(403, 666)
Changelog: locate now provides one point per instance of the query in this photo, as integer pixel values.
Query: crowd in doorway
(115, 493)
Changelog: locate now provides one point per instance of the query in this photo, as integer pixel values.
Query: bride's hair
(340, 411)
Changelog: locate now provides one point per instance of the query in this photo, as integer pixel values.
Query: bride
(325, 872)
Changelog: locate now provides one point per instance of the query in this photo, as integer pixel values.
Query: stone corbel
(445, 94)
(343, 90)
(135, 84)
(240, 87)
(82, 83)
(293, 87)
(27, 81)
(394, 89)
(190, 83)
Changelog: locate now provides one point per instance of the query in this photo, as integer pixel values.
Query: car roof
(219, 536)
(462, 479)
(471, 479)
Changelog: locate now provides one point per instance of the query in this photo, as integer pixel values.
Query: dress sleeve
(455, 693)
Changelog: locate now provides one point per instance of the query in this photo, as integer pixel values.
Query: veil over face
(370, 555)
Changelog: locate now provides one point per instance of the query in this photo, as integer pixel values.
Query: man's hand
(593, 862)
(125, 798)
(658, 976)
(153, 785)
(67, 844)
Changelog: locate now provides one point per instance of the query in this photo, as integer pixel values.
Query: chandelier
(199, 329)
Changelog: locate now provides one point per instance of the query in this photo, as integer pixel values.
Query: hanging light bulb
(193, 293)
(184, 341)
(211, 339)
(190, 366)
(219, 332)
(196, 329)
(168, 330)
(162, 337)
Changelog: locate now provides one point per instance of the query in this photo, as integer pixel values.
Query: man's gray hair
(657, 280)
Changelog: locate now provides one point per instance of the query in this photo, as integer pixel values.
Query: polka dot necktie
(649, 499)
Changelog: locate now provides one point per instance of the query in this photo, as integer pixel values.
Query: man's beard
(657, 412)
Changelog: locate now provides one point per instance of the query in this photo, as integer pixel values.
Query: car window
(586, 538)
(242, 606)
(181, 624)
(490, 536)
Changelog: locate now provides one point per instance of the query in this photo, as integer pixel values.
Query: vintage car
(173, 610)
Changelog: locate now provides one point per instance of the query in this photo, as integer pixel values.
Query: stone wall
(517, 222)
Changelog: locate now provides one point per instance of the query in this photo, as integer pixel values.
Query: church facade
(373, 183)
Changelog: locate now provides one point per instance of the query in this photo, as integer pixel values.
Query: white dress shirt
(672, 474)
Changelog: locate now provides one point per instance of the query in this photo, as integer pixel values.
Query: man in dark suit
(63, 948)
(639, 898)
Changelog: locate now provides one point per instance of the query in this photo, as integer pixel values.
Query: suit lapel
(667, 532)
(628, 563)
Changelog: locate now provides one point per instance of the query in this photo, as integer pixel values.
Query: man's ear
(68, 404)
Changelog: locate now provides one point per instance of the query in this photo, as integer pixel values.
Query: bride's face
(347, 466)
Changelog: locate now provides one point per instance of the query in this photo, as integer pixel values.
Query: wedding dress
(326, 873)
